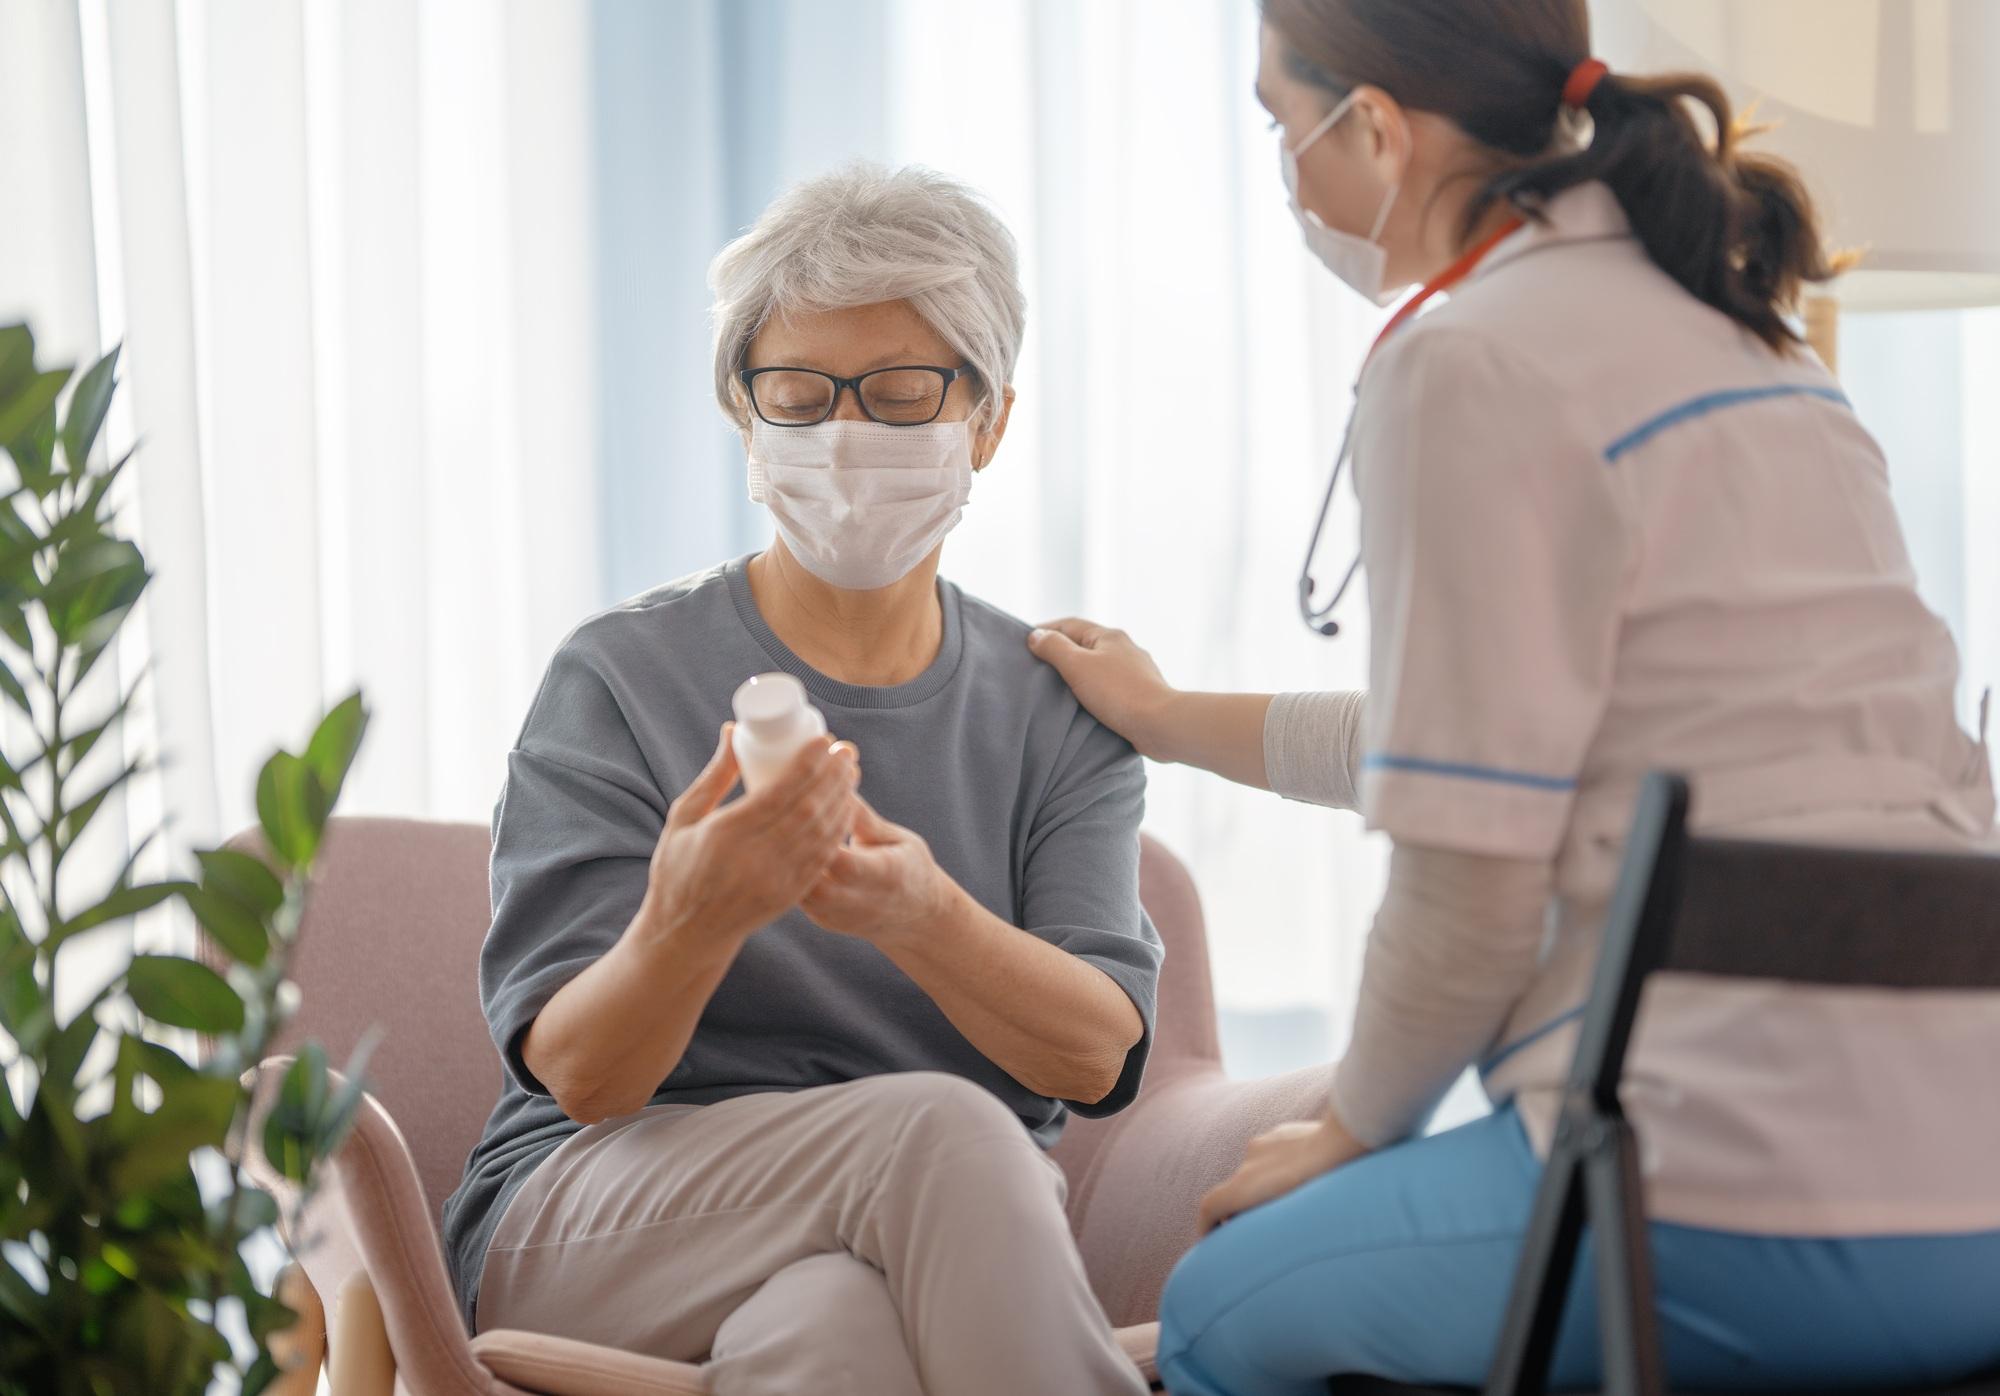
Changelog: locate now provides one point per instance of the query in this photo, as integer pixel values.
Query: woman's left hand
(1289, 1157)
(883, 886)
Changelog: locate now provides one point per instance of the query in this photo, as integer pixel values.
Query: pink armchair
(392, 937)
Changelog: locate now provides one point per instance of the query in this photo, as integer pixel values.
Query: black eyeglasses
(910, 395)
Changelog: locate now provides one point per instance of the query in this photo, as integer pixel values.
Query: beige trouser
(886, 1237)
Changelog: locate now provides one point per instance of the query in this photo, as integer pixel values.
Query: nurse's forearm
(1455, 945)
(1055, 1023)
(1219, 732)
(1304, 746)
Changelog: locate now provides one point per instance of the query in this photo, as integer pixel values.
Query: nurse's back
(1757, 626)
(1768, 611)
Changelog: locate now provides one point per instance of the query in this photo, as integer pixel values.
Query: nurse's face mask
(860, 504)
(1363, 263)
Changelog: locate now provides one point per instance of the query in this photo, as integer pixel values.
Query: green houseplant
(119, 1271)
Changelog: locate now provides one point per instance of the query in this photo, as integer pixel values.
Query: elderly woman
(780, 1069)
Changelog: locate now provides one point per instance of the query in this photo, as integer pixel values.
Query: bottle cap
(770, 703)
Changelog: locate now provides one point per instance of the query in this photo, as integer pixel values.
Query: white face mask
(1362, 263)
(860, 504)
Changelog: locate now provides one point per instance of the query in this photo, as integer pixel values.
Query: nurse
(1615, 517)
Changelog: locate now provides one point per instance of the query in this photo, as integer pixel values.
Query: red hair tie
(1583, 81)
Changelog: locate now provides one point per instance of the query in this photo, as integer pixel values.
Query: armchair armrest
(367, 1216)
(1175, 1143)
(552, 1366)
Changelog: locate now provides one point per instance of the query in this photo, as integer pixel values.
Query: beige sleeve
(1312, 747)
(1455, 944)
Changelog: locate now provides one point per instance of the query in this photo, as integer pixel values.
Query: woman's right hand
(605, 1041)
(1111, 676)
(718, 874)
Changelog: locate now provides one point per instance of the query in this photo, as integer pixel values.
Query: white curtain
(413, 305)
(347, 248)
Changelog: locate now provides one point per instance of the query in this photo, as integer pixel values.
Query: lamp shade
(1890, 108)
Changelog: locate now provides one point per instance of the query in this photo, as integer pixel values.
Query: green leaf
(254, 1209)
(230, 926)
(20, 1299)
(100, 1277)
(303, 1094)
(292, 806)
(69, 1046)
(162, 1062)
(94, 647)
(195, 1112)
(24, 408)
(87, 407)
(34, 453)
(183, 994)
(79, 745)
(262, 1373)
(121, 903)
(235, 903)
(101, 482)
(340, 1113)
(52, 1125)
(14, 625)
(25, 1013)
(22, 542)
(138, 851)
(15, 531)
(152, 1336)
(292, 1129)
(242, 877)
(94, 585)
(16, 694)
(78, 816)
(17, 359)
(331, 751)
(126, 1069)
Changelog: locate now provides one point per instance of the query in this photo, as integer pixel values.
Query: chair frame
(1593, 1174)
(1593, 1168)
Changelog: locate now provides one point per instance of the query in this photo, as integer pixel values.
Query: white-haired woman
(780, 1069)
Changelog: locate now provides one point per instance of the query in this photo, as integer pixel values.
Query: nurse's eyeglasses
(909, 395)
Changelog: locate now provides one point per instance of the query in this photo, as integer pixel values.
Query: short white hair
(863, 235)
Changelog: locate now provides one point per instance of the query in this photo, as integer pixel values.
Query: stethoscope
(1319, 618)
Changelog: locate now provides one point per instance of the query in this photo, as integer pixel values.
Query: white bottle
(773, 720)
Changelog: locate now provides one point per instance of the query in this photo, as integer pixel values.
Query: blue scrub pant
(1400, 1264)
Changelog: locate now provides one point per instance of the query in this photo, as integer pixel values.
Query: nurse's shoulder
(1579, 303)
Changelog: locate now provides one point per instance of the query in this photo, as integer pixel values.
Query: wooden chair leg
(301, 1348)
(358, 1361)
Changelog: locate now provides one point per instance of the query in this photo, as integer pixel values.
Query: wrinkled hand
(883, 886)
(719, 873)
(1288, 1157)
(1110, 675)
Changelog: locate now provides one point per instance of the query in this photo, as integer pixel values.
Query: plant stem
(53, 823)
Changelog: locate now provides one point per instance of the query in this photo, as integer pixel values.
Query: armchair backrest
(392, 934)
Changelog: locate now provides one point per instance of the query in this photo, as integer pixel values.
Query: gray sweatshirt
(1029, 803)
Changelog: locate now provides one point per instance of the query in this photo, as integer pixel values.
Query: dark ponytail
(1737, 230)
